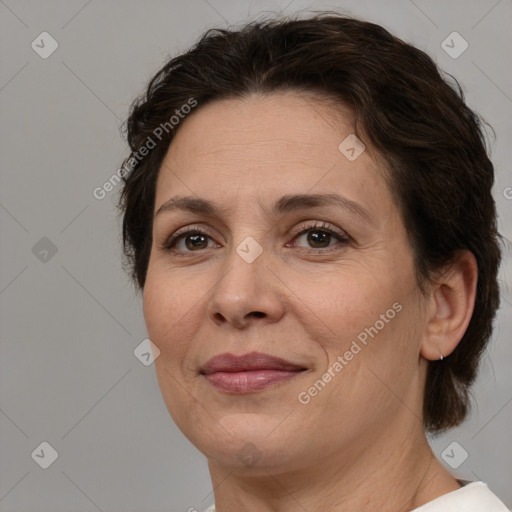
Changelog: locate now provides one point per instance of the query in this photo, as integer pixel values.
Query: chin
(256, 459)
(246, 442)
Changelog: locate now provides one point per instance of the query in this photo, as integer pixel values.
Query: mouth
(248, 373)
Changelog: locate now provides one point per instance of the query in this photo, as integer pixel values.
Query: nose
(246, 293)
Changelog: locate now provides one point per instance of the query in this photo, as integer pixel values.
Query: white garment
(473, 497)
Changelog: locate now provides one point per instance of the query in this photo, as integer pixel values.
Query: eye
(193, 239)
(320, 236)
(189, 240)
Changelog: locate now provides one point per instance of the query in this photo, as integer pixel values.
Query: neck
(395, 473)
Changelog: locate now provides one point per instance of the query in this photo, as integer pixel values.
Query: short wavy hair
(432, 143)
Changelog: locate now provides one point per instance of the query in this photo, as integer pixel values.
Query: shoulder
(473, 497)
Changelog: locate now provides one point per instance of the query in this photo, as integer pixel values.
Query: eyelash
(170, 243)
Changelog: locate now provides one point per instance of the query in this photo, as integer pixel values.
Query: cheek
(340, 306)
(169, 317)
(170, 311)
(371, 323)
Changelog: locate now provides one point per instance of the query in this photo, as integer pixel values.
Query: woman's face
(325, 284)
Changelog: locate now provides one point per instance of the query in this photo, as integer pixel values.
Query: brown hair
(432, 143)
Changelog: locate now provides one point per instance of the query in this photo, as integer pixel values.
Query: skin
(359, 444)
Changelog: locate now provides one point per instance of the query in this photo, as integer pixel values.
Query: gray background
(70, 321)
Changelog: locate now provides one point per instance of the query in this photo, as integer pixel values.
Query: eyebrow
(286, 204)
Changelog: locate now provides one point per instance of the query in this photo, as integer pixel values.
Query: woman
(308, 213)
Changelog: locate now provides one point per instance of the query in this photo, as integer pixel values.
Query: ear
(451, 304)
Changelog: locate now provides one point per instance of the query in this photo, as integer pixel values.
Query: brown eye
(197, 241)
(188, 241)
(320, 237)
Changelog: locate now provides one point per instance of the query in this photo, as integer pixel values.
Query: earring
(442, 357)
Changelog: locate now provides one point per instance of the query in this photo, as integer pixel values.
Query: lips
(248, 373)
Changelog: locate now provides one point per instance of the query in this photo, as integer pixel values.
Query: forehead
(267, 145)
